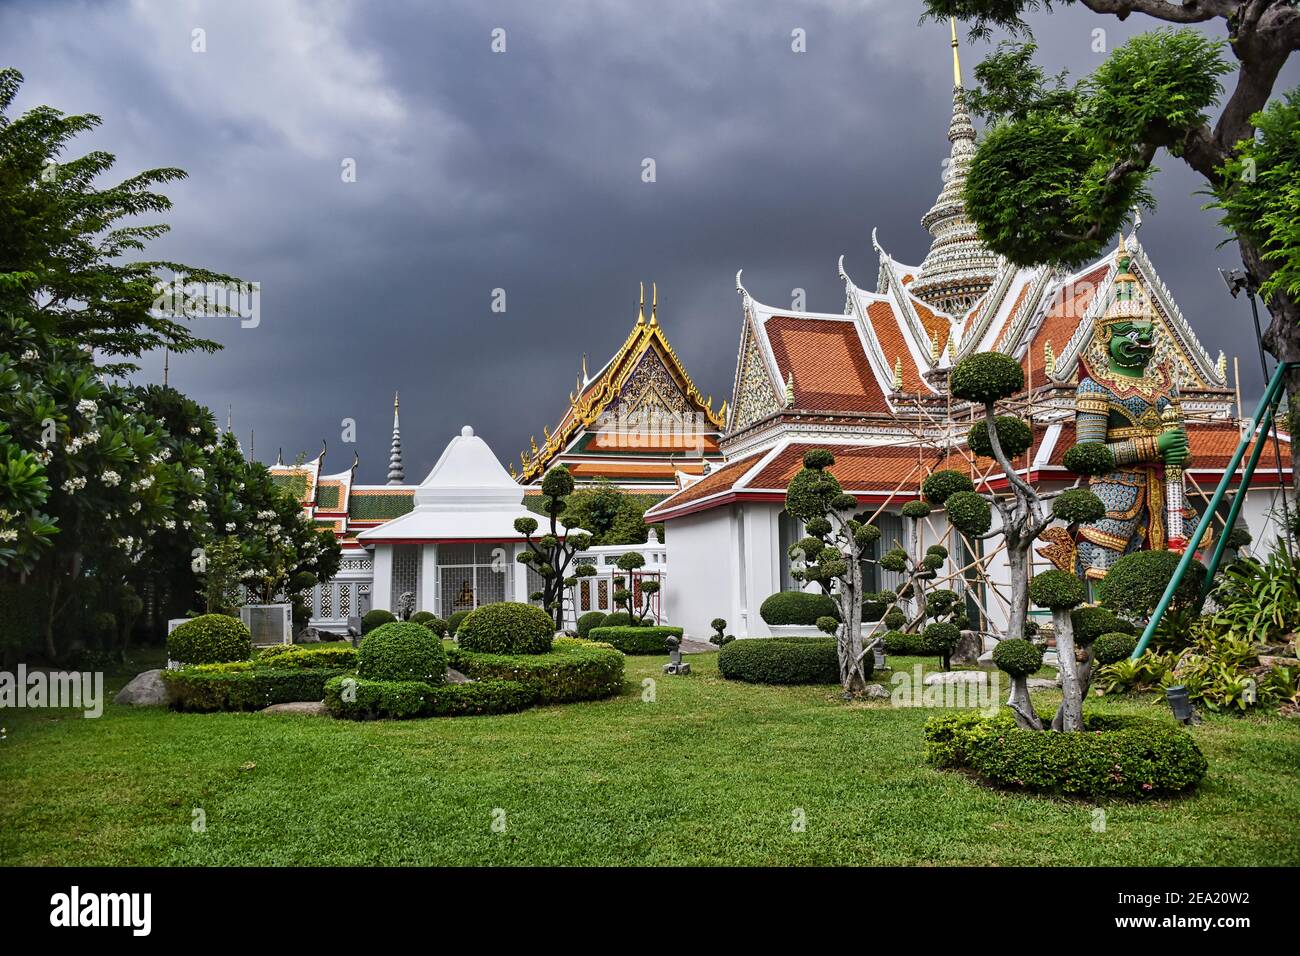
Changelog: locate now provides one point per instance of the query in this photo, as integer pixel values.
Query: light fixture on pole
(1180, 703)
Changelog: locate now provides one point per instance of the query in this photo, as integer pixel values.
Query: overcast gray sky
(521, 170)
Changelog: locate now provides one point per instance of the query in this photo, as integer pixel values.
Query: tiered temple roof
(637, 422)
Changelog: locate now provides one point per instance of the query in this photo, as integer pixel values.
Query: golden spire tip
(956, 61)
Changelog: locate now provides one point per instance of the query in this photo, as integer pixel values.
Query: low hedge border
(242, 686)
(784, 660)
(1115, 756)
(574, 670)
(297, 655)
(375, 699)
(797, 607)
(636, 640)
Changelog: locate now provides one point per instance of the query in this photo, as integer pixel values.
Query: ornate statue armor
(1127, 401)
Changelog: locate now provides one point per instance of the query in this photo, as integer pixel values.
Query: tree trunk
(1018, 566)
(852, 677)
(1021, 706)
(1069, 717)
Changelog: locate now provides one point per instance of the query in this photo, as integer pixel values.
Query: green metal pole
(1264, 413)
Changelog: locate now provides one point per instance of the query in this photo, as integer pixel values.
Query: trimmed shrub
(454, 622)
(941, 485)
(1136, 582)
(1089, 458)
(1131, 757)
(1077, 506)
(573, 670)
(223, 687)
(915, 510)
(784, 660)
(895, 619)
(636, 640)
(507, 628)
(797, 607)
(430, 620)
(617, 619)
(210, 639)
(376, 618)
(1014, 435)
(400, 699)
(1017, 657)
(1056, 590)
(1113, 647)
(971, 514)
(940, 638)
(589, 620)
(297, 655)
(986, 377)
(1091, 623)
(903, 643)
(402, 651)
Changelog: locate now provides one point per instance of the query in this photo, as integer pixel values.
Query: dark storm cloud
(522, 171)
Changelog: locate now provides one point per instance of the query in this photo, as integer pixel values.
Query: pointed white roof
(467, 496)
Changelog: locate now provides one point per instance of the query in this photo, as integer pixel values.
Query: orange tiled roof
(935, 325)
(720, 480)
(1067, 310)
(892, 343)
(869, 468)
(616, 469)
(830, 369)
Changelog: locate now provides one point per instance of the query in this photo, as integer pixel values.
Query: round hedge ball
(969, 512)
(402, 651)
(1089, 458)
(1091, 623)
(1114, 647)
(986, 377)
(803, 608)
(1014, 435)
(818, 458)
(210, 639)
(376, 618)
(916, 510)
(594, 619)
(454, 622)
(1078, 506)
(508, 628)
(941, 638)
(1017, 657)
(940, 485)
(1056, 590)
(1136, 582)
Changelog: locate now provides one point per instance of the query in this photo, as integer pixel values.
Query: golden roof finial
(934, 349)
(654, 303)
(956, 61)
(1049, 358)
(898, 374)
(1221, 366)
(640, 312)
(512, 470)
(789, 388)
(532, 443)
(952, 346)
(585, 376)
(394, 400)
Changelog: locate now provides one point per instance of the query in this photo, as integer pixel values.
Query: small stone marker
(675, 664)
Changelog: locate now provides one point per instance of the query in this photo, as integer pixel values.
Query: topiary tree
(1061, 592)
(626, 596)
(831, 555)
(1113, 648)
(985, 379)
(1018, 659)
(1136, 583)
(589, 620)
(552, 553)
(402, 651)
(719, 636)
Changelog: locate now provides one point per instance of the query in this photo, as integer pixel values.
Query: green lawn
(711, 773)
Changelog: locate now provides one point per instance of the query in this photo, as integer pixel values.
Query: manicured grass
(711, 772)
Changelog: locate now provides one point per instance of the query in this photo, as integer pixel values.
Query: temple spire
(956, 61)
(958, 269)
(640, 311)
(396, 473)
(654, 304)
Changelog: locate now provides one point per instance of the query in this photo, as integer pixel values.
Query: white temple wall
(381, 590)
(705, 581)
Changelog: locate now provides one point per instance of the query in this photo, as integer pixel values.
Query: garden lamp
(1179, 703)
(879, 652)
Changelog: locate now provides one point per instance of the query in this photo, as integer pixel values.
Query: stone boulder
(310, 708)
(957, 677)
(144, 690)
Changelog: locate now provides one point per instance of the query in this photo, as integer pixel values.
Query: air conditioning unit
(268, 623)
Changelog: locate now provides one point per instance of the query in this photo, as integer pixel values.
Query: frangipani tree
(831, 555)
(552, 554)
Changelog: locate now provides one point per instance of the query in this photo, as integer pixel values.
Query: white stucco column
(427, 599)
(518, 575)
(381, 591)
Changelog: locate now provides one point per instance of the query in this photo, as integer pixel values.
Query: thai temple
(869, 383)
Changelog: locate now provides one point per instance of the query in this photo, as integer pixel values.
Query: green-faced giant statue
(1126, 400)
